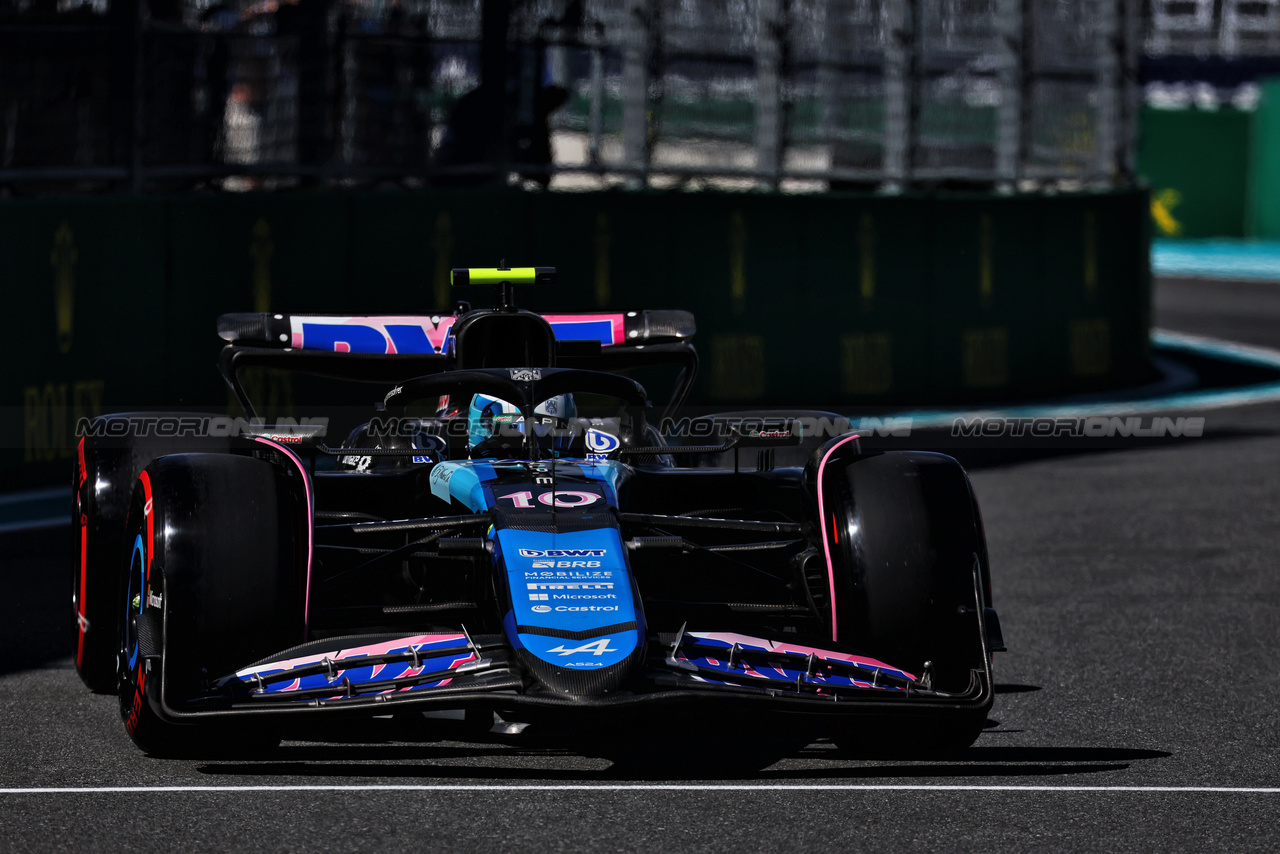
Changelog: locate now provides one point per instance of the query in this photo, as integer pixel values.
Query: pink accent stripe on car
(357, 651)
(617, 324)
(311, 534)
(822, 522)
(731, 638)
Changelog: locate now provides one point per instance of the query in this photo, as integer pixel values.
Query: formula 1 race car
(512, 528)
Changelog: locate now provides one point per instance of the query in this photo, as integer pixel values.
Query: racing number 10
(563, 499)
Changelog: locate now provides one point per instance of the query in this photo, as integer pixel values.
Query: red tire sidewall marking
(83, 475)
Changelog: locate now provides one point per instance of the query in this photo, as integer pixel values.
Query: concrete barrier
(832, 300)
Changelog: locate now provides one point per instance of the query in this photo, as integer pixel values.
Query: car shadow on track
(442, 753)
(1008, 688)
(926, 771)
(977, 762)
(338, 770)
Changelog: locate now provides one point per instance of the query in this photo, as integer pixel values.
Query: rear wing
(393, 348)
(426, 334)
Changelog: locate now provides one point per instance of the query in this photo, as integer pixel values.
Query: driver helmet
(489, 415)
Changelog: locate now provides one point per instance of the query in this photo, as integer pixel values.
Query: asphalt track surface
(1139, 590)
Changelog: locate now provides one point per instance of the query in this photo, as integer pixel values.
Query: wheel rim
(134, 602)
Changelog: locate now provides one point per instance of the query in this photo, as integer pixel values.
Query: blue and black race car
(512, 527)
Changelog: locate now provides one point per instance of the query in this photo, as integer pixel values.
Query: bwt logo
(563, 552)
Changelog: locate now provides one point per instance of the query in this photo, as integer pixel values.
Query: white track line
(640, 787)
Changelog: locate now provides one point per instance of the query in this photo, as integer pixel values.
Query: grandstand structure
(1228, 28)
(798, 95)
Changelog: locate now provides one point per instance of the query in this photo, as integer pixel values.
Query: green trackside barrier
(1264, 153)
(256, 252)
(1038, 298)
(1202, 173)
(85, 314)
(404, 244)
(1214, 173)
(833, 300)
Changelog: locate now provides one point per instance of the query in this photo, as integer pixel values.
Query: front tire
(216, 581)
(904, 539)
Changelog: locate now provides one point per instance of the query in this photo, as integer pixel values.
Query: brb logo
(545, 558)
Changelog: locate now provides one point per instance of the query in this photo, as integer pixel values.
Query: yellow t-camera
(460, 276)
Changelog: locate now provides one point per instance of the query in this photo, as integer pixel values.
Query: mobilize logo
(573, 575)
(596, 647)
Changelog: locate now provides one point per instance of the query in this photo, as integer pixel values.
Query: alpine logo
(563, 552)
(596, 647)
(524, 375)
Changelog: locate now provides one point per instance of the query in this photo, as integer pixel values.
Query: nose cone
(575, 619)
(578, 668)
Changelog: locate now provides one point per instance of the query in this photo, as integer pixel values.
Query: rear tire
(217, 578)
